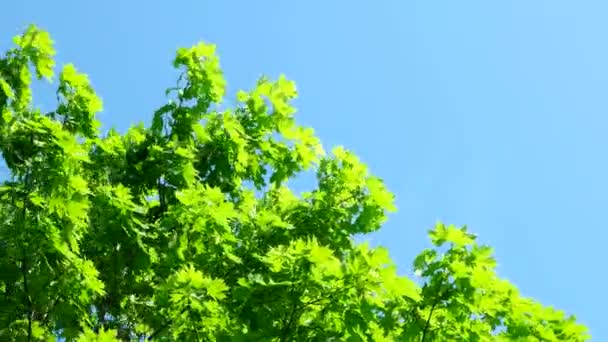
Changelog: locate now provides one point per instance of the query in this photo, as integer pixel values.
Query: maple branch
(294, 310)
(289, 322)
(24, 270)
(428, 320)
(28, 299)
(161, 197)
(166, 325)
(346, 199)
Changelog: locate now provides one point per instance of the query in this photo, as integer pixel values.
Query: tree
(187, 230)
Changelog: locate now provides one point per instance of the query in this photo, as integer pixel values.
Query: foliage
(186, 230)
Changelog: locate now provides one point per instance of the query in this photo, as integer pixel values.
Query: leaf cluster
(186, 229)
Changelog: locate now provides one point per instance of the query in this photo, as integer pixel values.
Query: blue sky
(492, 114)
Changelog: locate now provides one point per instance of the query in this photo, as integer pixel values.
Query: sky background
(492, 114)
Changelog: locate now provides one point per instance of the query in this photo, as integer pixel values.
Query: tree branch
(24, 270)
(286, 328)
(166, 325)
(28, 299)
(428, 320)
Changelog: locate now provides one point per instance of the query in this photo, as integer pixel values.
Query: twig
(428, 320)
(164, 326)
(442, 295)
(24, 270)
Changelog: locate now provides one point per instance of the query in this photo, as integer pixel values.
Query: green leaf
(6, 89)
(216, 288)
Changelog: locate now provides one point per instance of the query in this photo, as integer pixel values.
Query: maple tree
(186, 230)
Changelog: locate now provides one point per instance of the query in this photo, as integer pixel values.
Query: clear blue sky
(487, 113)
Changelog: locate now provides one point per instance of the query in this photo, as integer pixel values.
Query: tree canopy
(186, 229)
